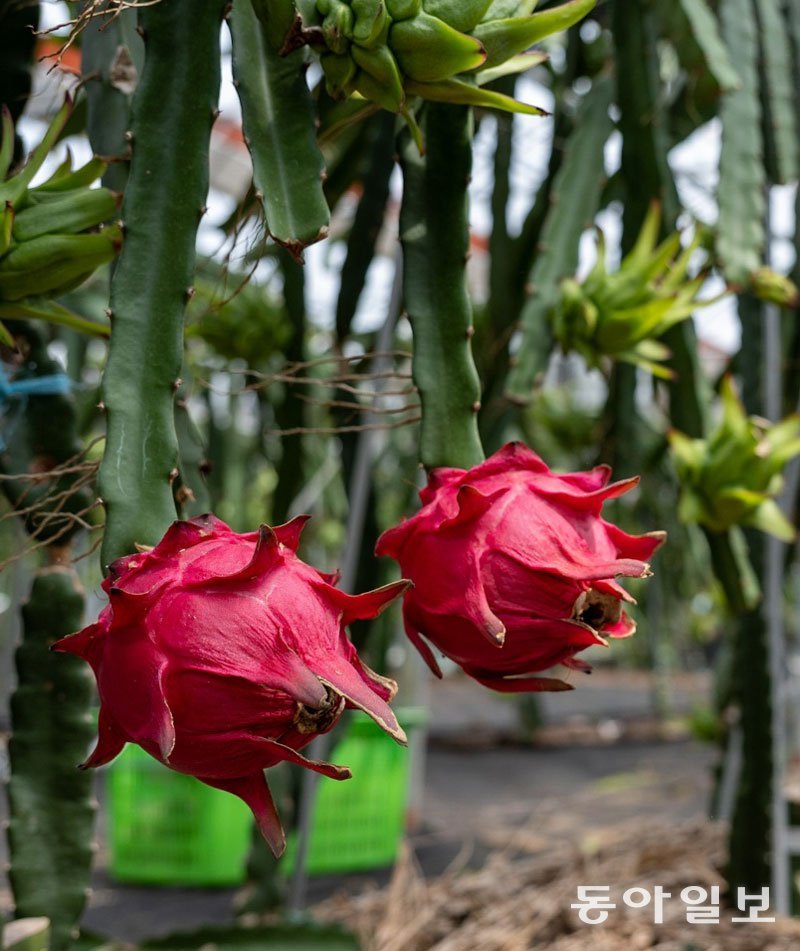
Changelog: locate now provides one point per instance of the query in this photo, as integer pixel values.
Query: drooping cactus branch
(434, 230)
(174, 108)
(277, 115)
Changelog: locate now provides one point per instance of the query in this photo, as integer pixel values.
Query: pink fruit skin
(514, 569)
(222, 654)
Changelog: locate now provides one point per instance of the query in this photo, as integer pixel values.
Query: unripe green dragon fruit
(774, 288)
(386, 51)
(621, 315)
(52, 236)
(733, 477)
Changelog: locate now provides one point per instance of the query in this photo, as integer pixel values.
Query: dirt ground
(508, 827)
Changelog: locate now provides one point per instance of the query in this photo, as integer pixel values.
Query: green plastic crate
(170, 829)
(358, 823)
(167, 828)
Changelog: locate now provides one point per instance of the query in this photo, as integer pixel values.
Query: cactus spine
(174, 108)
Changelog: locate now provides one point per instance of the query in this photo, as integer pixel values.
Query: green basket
(167, 828)
(358, 823)
(170, 829)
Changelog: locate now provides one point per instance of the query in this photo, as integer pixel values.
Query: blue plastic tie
(52, 384)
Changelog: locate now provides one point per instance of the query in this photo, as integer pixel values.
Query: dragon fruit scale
(514, 569)
(222, 654)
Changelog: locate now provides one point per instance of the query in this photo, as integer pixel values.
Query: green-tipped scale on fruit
(733, 477)
(623, 315)
(388, 50)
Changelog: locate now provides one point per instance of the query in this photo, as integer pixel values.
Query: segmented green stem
(110, 50)
(368, 220)
(505, 298)
(434, 230)
(51, 809)
(500, 244)
(750, 833)
(730, 561)
(749, 840)
(647, 178)
(278, 120)
(740, 231)
(174, 108)
(642, 121)
(778, 93)
(290, 414)
(704, 30)
(792, 367)
(575, 197)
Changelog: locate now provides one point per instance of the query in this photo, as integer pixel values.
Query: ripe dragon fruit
(514, 568)
(223, 654)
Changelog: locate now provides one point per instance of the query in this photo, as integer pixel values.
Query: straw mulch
(520, 898)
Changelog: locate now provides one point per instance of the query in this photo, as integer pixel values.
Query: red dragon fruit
(223, 654)
(514, 568)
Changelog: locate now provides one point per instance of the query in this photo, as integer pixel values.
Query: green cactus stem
(644, 167)
(778, 94)
(749, 841)
(752, 690)
(434, 231)
(173, 111)
(369, 217)
(51, 808)
(290, 414)
(730, 561)
(111, 58)
(574, 199)
(740, 230)
(277, 115)
(642, 121)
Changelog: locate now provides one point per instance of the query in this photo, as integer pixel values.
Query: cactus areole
(514, 568)
(223, 654)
